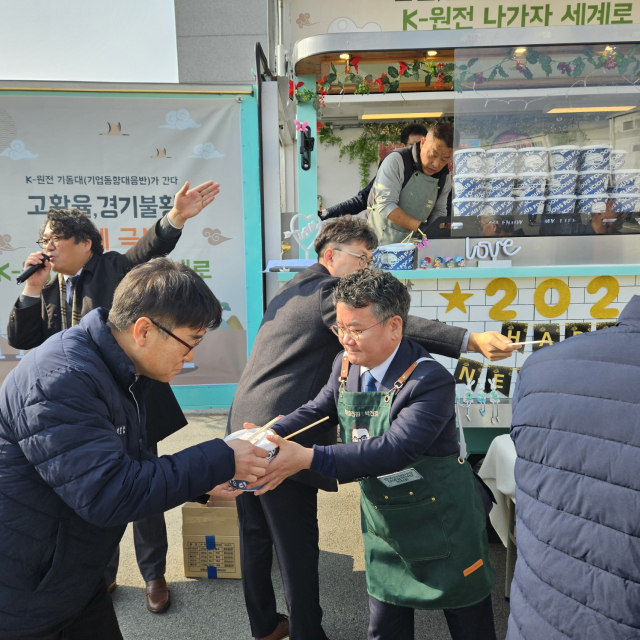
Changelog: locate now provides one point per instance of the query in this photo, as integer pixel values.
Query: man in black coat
(87, 279)
(290, 362)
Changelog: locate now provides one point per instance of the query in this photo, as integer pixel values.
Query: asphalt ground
(204, 609)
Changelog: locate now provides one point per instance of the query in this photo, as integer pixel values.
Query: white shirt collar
(66, 278)
(380, 371)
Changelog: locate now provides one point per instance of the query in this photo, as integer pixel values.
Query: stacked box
(211, 539)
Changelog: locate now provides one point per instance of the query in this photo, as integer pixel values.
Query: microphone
(30, 270)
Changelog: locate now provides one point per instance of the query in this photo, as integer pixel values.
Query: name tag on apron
(359, 434)
(401, 477)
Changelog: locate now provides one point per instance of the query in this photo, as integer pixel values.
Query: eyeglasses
(43, 243)
(363, 261)
(354, 333)
(186, 344)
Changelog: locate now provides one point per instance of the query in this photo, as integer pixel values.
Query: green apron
(425, 539)
(417, 199)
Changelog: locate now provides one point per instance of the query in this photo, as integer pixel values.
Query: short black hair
(445, 132)
(385, 293)
(168, 292)
(76, 224)
(345, 230)
(415, 129)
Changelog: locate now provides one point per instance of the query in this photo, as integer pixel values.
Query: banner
(122, 159)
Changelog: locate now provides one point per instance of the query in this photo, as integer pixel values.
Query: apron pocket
(414, 531)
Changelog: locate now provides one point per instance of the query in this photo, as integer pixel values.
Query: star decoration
(456, 299)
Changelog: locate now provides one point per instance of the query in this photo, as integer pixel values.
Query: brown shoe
(158, 596)
(281, 631)
(111, 587)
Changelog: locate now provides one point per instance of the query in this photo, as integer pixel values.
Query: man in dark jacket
(74, 469)
(576, 431)
(290, 362)
(86, 279)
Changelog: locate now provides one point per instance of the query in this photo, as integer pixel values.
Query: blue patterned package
(562, 183)
(562, 204)
(262, 442)
(498, 207)
(501, 160)
(593, 182)
(564, 157)
(626, 181)
(530, 206)
(596, 203)
(471, 185)
(533, 159)
(467, 206)
(531, 184)
(625, 203)
(618, 158)
(595, 157)
(469, 161)
(397, 256)
(500, 185)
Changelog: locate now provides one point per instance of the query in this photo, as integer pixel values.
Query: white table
(497, 471)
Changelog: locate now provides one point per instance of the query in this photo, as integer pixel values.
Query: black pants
(287, 519)
(150, 542)
(391, 622)
(96, 621)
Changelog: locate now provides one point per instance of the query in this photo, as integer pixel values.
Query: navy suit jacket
(422, 417)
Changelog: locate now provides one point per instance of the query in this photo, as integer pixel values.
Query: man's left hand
(224, 490)
(291, 458)
(188, 203)
(491, 345)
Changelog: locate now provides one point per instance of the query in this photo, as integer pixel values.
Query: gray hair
(168, 292)
(386, 295)
(345, 230)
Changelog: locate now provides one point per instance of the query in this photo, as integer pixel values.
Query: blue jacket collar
(118, 362)
(630, 316)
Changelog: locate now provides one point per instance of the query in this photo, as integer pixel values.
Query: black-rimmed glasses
(363, 260)
(180, 340)
(54, 240)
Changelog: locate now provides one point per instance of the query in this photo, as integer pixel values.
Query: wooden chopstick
(256, 436)
(305, 428)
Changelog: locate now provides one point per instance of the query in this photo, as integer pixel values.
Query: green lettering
(407, 21)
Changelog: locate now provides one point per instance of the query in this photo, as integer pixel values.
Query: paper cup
(560, 204)
(532, 184)
(625, 203)
(530, 206)
(618, 158)
(498, 207)
(564, 157)
(469, 161)
(397, 256)
(263, 443)
(533, 159)
(562, 183)
(467, 206)
(626, 181)
(501, 160)
(593, 182)
(500, 185)
(471, 185)
(592, 203)
(595, 157)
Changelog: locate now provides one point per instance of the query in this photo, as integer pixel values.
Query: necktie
(369, 382)
(72, 287)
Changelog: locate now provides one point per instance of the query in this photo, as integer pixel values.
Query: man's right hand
(251, 461)
(34, 285)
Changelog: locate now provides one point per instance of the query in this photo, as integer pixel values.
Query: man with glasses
(290, 361)
(73, 466)
(86, 279)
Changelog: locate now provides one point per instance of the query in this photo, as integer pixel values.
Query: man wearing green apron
(412, 186)
(422, 512)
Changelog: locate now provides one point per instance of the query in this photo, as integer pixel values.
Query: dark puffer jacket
(576, 428)
(73, 473)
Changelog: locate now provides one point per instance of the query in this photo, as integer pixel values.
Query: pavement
(204, 609)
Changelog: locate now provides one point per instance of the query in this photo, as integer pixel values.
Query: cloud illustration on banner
(347, 25)
(18, 151)
(180, 120)
(206, 151)
(214, 237)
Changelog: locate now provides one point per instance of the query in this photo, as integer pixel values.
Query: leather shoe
(281, 631)
(158, 596)
(111, 587)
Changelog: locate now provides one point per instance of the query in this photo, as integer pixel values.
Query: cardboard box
(211, 539)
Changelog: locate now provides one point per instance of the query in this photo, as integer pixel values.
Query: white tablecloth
(497, 471)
